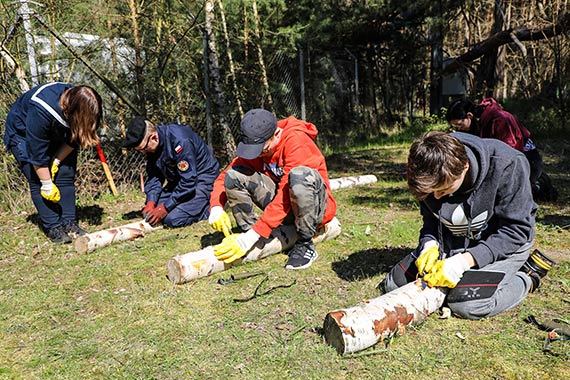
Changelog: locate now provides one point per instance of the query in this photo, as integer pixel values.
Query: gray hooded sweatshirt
(492, 214)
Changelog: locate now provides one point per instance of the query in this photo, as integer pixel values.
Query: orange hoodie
(296, 148)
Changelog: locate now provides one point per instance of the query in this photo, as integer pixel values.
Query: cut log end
(82, 244)
(333, 334)
(174, 271)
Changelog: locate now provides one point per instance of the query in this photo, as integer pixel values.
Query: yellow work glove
(235, 246)
(447, 273)
(50, 191)
(220, 220)
(54, 168)
(428, 257)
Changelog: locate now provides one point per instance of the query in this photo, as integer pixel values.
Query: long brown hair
(435, 159)
(83, 110)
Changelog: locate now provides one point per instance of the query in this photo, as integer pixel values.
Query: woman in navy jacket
(44, 129)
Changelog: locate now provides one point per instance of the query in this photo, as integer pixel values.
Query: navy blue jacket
(184, 161)
(37, 119)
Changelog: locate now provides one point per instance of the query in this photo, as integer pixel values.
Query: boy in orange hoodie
(280, 169)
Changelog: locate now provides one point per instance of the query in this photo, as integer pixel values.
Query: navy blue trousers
(53, 214)
(186, 213)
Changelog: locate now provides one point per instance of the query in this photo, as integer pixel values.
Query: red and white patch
(178, 149)
(183, 166)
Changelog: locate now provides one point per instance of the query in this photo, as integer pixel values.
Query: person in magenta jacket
(489, 120)
(280, 169)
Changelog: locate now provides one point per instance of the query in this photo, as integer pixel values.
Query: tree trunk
(506, 36)
(193, 265)
(489, 73)
(436, 38)
(214, 73)
(362, 326)
(267, 93)
(15, 68)
(138, 60)
(90, 242)
(230, 60)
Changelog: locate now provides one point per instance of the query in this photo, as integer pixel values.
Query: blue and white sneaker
(302, 255)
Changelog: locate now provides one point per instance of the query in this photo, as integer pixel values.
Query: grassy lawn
(112, 314)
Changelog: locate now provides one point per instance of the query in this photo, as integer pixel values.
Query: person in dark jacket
(181, 170)
(44, 129)
(478, 218)
(489, 120)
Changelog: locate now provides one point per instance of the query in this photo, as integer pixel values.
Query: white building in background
(56, 62)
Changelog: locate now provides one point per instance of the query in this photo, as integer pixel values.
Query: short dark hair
(458, 109)
(435, 159)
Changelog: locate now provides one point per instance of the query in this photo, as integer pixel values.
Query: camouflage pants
(247, 188)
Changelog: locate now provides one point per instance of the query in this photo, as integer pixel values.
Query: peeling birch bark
(193, 265)
(90, 242)
(344, 182)
(362, 326)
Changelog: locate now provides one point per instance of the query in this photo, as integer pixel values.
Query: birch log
(90, 242)
(344, 182)
(372, 321)
(193, 265)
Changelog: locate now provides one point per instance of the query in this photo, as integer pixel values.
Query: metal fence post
(302, 82)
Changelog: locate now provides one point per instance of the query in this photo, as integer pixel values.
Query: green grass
(112, 314)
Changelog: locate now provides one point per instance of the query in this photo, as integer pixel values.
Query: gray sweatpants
(246, 188)
(511, 291)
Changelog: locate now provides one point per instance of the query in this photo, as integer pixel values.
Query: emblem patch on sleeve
(178, 149)
(183, 165)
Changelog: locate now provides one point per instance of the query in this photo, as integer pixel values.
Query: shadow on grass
(132, 215)
(371, 161)
(368, 263)
(90, 214)
(374, 197)
(555, 221)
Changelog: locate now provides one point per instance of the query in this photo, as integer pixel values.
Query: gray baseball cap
(257, 126)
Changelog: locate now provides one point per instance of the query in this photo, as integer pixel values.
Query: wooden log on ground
(357, 328)
(90, 242)
(344, 182)
(193, 265)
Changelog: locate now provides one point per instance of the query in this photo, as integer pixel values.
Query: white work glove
(49, 191)
(428, 257)
(235, 246)
(447, 273)
(220, 220)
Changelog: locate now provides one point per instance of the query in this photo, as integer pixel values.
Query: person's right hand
(428, 257)
(50, 191)
(220, 220)
(147, 209)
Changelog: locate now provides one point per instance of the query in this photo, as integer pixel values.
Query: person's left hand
(54, 168)
(156, 215)
(447, 273)
(235, 246)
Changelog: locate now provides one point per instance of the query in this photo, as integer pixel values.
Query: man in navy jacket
(181, 171)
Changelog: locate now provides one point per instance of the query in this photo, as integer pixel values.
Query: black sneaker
(58, 235)
(302, 255)
(537, 266)
(74, 230)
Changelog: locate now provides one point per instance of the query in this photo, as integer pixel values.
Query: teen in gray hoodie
(478, 216)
